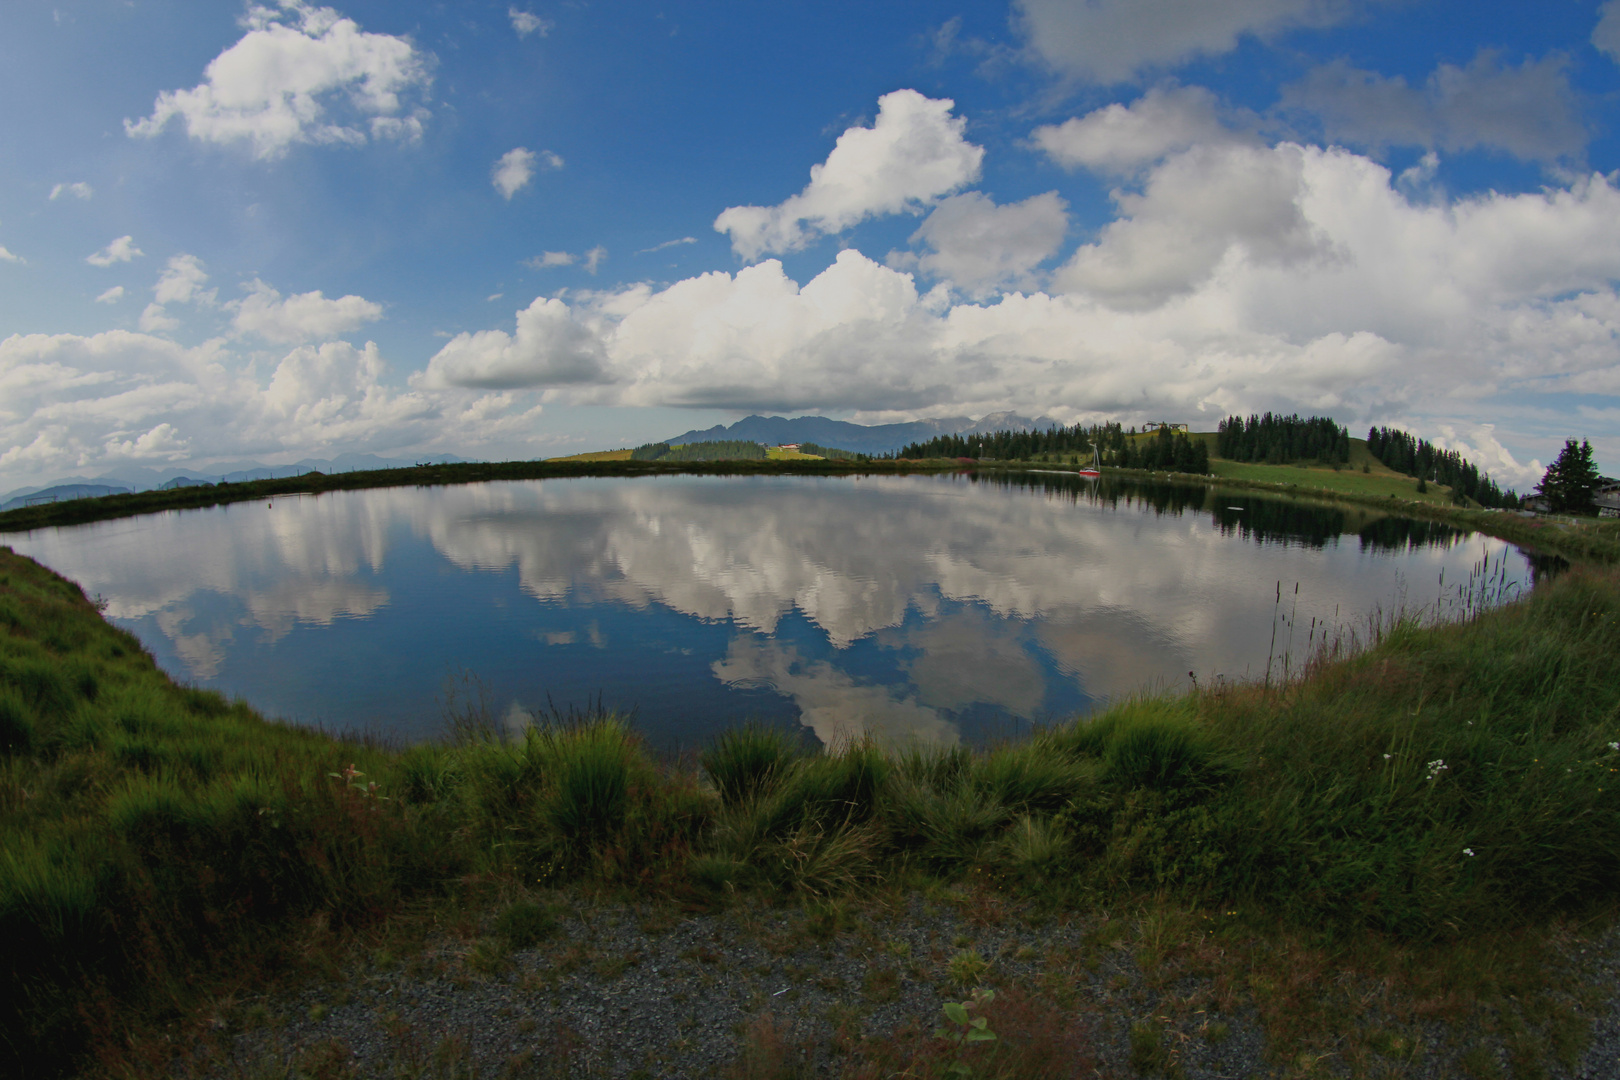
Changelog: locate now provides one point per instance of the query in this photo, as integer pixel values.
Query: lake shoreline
(166, 845)
(1589, 539)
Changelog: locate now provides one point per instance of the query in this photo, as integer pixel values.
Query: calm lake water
(944, 608)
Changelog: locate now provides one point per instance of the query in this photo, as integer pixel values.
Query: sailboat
(1096, 464)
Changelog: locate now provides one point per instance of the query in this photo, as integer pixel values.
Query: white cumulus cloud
(182, 282)
(155, 319)
(551, 348)
(513, 172)
(301, 74)
(912, 154)
(1192, 211)
(163, 442)
(121, 250)
(79, 190)
(515, 168)
(980, 247)
(111, 296)
(302, 317)
(1123, 138)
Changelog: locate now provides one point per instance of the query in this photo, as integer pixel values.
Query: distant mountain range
(843, 435)
(129, 478)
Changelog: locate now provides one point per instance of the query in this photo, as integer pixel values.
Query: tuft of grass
(946, 827)
(746, 763)
(525, 924)
(1026, 777)
(1034, 848)
(967, 969)
(1154, 742)
(590, 770)
(1149, 1055)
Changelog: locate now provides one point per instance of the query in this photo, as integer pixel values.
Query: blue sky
(283, 230)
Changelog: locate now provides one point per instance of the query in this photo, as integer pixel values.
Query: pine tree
(1571, 481)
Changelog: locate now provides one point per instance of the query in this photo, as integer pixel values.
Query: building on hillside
(1155, 425)
(1607, 497)
(792, 447)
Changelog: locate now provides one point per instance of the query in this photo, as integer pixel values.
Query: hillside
(1364, 475)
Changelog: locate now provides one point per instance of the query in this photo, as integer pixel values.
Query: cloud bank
(1528, 111)
(1236, 276)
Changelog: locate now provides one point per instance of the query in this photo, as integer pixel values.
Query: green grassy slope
(1377, 481)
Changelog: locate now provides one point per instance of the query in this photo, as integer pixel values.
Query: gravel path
(649, 993)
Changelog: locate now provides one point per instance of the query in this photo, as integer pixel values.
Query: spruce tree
(1571, 480)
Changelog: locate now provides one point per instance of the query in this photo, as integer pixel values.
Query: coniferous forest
(1166, 450)
(1007, 445)
(1276, 439)
(719, 450)
(830, 453)
(1405, 453)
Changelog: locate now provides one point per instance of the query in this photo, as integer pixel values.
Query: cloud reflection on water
(967, 595)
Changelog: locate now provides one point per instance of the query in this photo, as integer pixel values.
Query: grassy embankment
(1449, 784)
